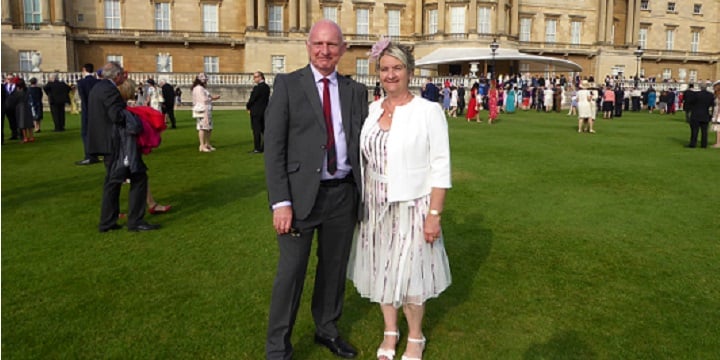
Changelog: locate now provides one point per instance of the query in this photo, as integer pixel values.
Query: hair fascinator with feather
(378, 48)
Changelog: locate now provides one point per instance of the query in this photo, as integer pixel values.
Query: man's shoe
(337, 346)
(144, 227)
(87, 161)
(113, 227)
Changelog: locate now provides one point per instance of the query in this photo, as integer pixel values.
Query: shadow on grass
(565, 345)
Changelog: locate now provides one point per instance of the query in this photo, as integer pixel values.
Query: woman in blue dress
(446, 97)
(652, 98)
(510, 100)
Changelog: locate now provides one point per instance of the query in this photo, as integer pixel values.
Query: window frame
(523, 36)
(159, 20)
(277, 64)
(275, 19)
(25, 60)
(332, 11)
(642, 37)
(457, 20)
(576, 32)
(115, 57)
(393, 23)
(432, 25)
(211, 64)
(552, 34)
(671, 7)
(210, 25)
(34, 16)
(644, 4)
(694, 41)
(157, 63)
(484, 20)
(669, 39)
(112, 14)
(362, 66)
(362, 23)
(697, 9)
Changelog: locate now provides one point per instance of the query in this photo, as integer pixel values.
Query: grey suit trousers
(334, 216)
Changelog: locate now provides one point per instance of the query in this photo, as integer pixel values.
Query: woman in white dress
(584, 108)
(548, 100)
(398, 258)
(202, 112)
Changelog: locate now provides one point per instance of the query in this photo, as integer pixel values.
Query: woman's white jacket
(418, 148)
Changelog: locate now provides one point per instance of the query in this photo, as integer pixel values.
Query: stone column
(472, 12)
(637, 22)
(250, 15)
(293, 16)
(500, 13)
(515, 21)
(630, 22)
(602, 21)
(419, 15)
(441, 16)
(6, 13)
(59, 9)
(44, 11)
(610, 21)
(304, 13)
(262, 15)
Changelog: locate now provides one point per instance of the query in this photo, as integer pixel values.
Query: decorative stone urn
(35, 61)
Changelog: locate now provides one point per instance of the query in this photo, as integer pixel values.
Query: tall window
(31, 13)
(278, 64)
(642, 37)
(575, 32)
(112, 14)
(457, 20)
(162, 16)
(432, 26)
(695, 41)
(644, 4)
(164, 63)
(393, 23)
(550, 30)
(525, 27)
(117, 58)
(362, 25)
(362, 67)
(667, 74)
(669, 39)
(26, 60)
(330, 13)
(484, 22)
(275, 19)
(210, 17)
(211, 64)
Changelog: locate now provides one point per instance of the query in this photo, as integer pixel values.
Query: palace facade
(679, 39)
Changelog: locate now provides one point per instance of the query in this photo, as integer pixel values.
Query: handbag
(198, 111)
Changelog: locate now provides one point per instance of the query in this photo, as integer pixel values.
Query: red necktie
(330, 146)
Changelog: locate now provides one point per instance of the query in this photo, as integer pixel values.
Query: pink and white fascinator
(378, 48)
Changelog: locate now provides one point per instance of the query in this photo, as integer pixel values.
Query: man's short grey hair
(112, 70)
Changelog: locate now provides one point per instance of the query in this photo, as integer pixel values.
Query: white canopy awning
(460, 55)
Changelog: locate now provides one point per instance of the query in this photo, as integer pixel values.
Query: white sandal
(388, 353)
(416, 341)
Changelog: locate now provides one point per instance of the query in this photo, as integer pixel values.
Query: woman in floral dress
(398, 258)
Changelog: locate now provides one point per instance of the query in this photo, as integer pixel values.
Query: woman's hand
(431, 229)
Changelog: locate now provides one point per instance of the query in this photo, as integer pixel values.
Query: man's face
(325, 47)
(9, 79)
(120, 78)
(256, 78)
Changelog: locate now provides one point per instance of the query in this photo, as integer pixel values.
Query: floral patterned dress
(390, 262)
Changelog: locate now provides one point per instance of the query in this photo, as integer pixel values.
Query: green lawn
(562, 246)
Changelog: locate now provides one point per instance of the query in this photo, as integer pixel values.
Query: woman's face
(393, 75)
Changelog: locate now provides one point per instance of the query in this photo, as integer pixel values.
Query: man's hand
(282, 219)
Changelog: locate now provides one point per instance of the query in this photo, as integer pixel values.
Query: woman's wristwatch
(434, 212)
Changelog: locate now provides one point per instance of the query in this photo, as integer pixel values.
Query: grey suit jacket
(295, 136)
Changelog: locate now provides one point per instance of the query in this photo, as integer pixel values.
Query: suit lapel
(346, 95)
(309, 88)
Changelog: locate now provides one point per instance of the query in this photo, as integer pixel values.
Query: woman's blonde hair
(401, 53)
(127, 89)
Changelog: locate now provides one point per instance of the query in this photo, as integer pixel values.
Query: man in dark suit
(168, 105)
(700, 105)
(256, 105)
(312, 165)
(84, 86)
(7, 89)
(107, 117)
(58, 93)
(461, 99)
(430, 91)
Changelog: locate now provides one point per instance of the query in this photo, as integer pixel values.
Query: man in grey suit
(312, 166)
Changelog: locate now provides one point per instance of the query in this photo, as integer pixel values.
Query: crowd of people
(368, 180)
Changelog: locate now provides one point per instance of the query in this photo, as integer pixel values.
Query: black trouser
(696, 126)
(84, 135)
(58, 115)
(635, 103)
(13, 125)
(169, 110)
(258, 128)
(333, 217)
(626, 102)
(110, 208)
(460, 107)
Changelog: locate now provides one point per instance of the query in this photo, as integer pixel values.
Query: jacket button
(322, 147)
(318, 170)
